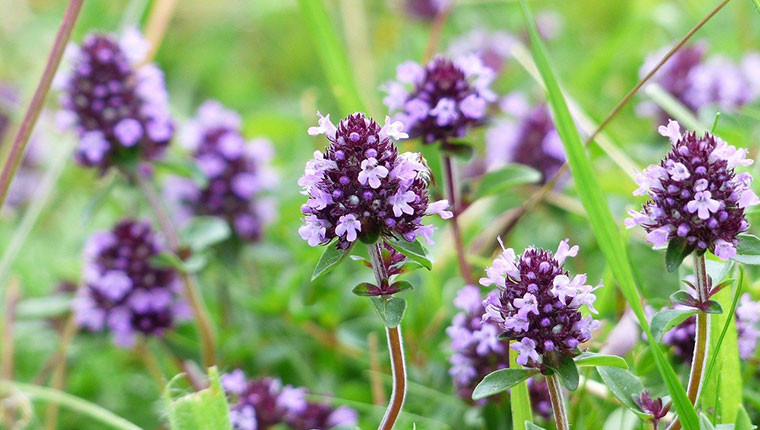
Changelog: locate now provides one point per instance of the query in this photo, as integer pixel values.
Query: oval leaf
(502, 179)
(365, 289)
(665, 320)
(748, 249)
(501, 380)
(185, 168)
(400, 286)
(712, 307)
(390, 309)
(677, 251)
(330, 259)
(591, 359)
(623, 385)
(530, 426)
(682, 297)
(568, 372)
(202, 232)
(413, 250)
(205, 409)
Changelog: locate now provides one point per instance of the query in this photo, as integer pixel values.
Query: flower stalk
(35, 106)
(558, 402)
(395, 346)
(464, 267)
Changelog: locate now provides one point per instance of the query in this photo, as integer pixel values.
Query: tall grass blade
(333, 55)
(520, 400)
(600, 217)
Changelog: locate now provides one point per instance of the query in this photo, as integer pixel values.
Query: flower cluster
(118, 110)
(476, 345)
(237, 173)
(260, 404)
(491, 47)
(123, 291)
(538, 303)
(426, 9)
(697, 82)
(540, 401)
(527, 136)
(361, 188)
(695, 194)
(446, 97)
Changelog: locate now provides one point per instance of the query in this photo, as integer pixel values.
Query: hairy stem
(18, 147)
(538, 197)
(200, 312)
(702, 338)
(558, 402)
(451, 191)
(395, 347)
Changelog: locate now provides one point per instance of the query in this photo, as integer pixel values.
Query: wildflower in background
(361, 188)
(260, 404)
(441, 100)
(491, 47)
(654, 407)
(426, 9)
(237, 170)
(124, 292)
(695, 194)
(476, 345)
(698, 82)
(118, 107)
(527, 136)
(538, 303)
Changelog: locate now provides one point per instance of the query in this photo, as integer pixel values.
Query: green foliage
(202, 410)
(624, 385)
(390, 309)
(203, 232)
(501, 380)
(331, 257)
(413, 250)
(590, 359)
(502, 179)
(665, 320)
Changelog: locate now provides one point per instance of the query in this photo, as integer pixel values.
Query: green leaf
(364, 289)
(677, 251)
(401, 286)
(591, 359)
(601, 220)
(458, 149)
(530, 426)
(330, 259)
(519, 399)
(502, 179)
(665, 320)
(167, 259)
(624, 385)
(704, 423)
(748, 249)
(674, 107)
(413, 250)
(682, 297)
(743, 422)
(390, 309)
(185, 168)
(332, 55)
(501, 380)
(203, 232)
(202, 410)
(757, 8)
(567, 370)
(713, 307)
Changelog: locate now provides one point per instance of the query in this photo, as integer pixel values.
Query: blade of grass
(600, 217)
(332, 54)
(520, 400)
(727, 364)
(74, 403)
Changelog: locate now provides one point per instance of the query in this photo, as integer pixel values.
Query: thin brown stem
(395, 348)
(537, 198)
(18, 147)
(200, 312)
(158, 21)
(435, 34)
(558, 402)
(464, 268)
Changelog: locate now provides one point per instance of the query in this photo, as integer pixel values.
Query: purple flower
(493, 48)
(361, 188)
(526, 136)
(538, 390)
(537, 303)
(653, 407)
(238, 173)
(426, 9)
(124, 292)
(118, 110)
(698, 82)
(695, 194)
(441, 100)
(260, 404)
(748, 326)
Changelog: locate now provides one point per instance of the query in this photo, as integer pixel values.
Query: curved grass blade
(332, 54)
(522, 413)
(600, 217)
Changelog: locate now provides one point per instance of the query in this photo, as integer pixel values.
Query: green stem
(395, 347)
(74, 403)
(558, 402)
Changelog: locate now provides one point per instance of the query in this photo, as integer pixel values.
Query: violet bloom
(361, 188)
(698, 82)
(695, 194)
(476, 345)
(491, 47)
(119, 110)
(426, 9)
(237, 170)
(681, 339)
(540, 400)
(654, 407)
(442, 100)
(124, 292)
(538, 303)
(260, 404)
(527, 136)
